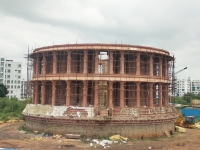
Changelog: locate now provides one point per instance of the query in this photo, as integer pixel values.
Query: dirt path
(10, 137)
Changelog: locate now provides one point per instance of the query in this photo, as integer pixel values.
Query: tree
(3, 90)
(188, 97)
(180, 100)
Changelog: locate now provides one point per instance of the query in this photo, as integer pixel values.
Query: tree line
(187, 98)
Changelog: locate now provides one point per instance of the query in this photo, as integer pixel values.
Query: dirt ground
(11, 137)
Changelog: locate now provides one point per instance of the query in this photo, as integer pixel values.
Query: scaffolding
(79, 68)
(113, 84)
(30, 71)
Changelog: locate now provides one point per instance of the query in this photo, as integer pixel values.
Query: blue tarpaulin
(189, 111)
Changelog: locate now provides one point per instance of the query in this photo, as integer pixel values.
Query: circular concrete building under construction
(101, 90)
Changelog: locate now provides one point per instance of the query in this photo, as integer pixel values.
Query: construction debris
(197, 125)
(180, 129)
(57, 136)
(37, 139)
(117, 138)
(35, 132)
(73, 136)
(103, 143)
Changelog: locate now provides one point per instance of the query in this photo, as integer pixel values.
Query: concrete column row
(85, 71)
(163, 89)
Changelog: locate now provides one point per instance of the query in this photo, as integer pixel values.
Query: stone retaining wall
(130, 122)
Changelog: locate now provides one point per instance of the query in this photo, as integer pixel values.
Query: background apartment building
(195, 87)
(183, 86)
(11, 76)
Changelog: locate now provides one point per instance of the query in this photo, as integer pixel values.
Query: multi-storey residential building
(23, 89)
(11, 76)
(195, 87)
(183, 86)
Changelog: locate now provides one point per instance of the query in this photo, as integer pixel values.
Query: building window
(19, 71)
(9, 71)
(11, 91)
(19, 77)
(8, 81)
(1, 75)
(18, 82)
(2, 59)
(11, 86)
(18, 87)
(1, 80)
(8, 76)
(9, 65)
(19, 65)
(2, 63)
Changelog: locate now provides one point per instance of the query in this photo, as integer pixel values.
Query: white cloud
(170, 25)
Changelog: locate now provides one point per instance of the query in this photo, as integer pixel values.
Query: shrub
(12, 108)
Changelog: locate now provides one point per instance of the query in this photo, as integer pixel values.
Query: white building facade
(195, 87)
(11, 76)
(183, 86)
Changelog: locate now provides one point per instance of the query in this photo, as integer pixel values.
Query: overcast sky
(172, 25)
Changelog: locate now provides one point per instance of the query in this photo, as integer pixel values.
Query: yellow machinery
(187, 122)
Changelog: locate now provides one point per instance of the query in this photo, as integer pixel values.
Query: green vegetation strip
(11, 108)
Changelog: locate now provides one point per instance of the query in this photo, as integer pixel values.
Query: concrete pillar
(44, 64)
(96, 94)
(110, 103)
(85, 67)
(122, 63)
(111, 62)
(160, 66)
(96, 62)
(121, 94)
(36, 93)
(151, 65)
(85, 89)
(160, 95)
(68, 89)
(68, 62)
(138, 64)
(53, 93)
(138, 95)
(37, 65)
(151, 94)
(43, 92)
(166, 95)
(54, 62)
